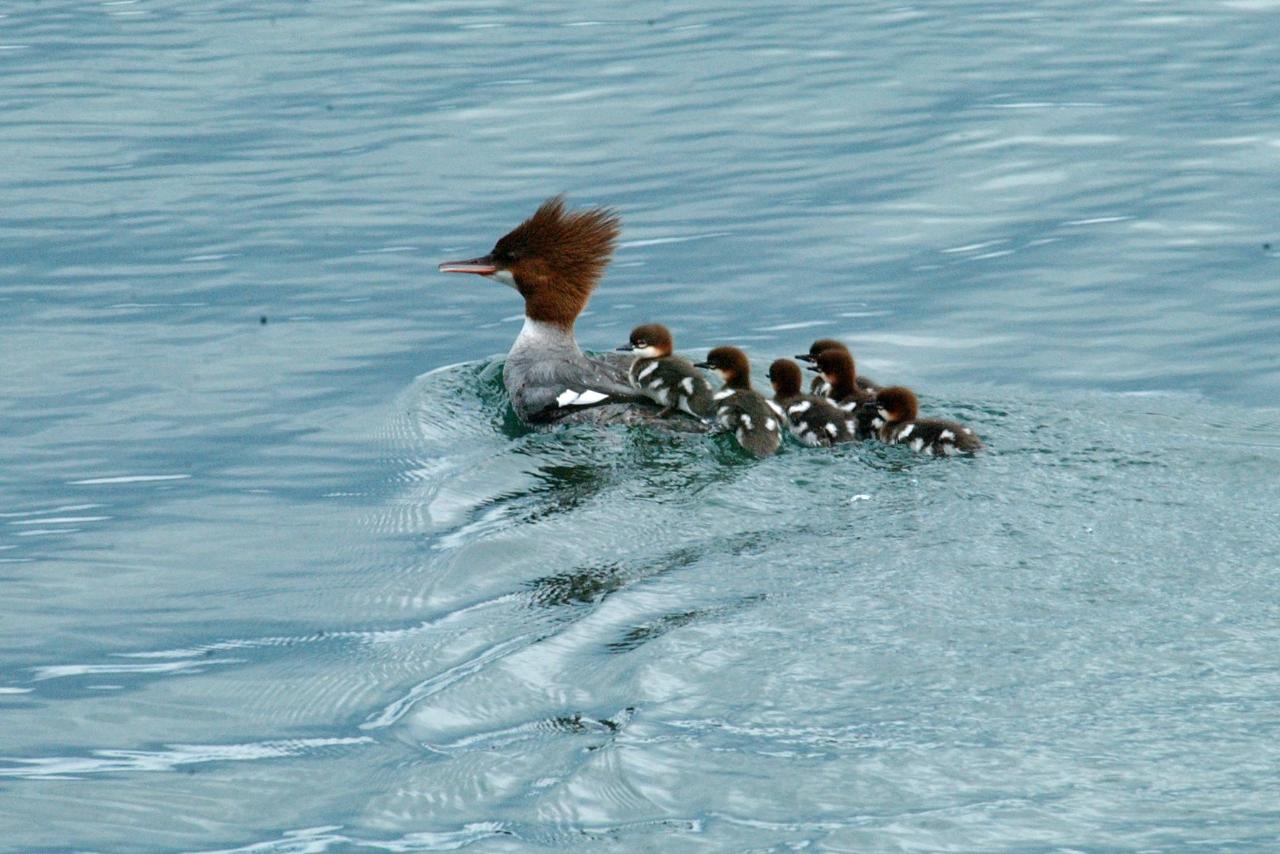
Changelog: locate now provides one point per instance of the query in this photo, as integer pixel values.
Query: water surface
(304, 585)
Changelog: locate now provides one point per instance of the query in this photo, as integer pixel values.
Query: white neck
(538, 335)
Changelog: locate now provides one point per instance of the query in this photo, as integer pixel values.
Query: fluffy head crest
(785, 376)
(652, 335)
(557, 258)
(898, 402)
(825, 344)
(732, 364)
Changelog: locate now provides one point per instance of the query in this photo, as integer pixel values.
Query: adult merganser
(838, 372)
(554, 259)
(754, 421)
(666, 379)
(813, 420)
(897, 407)
(820, 385)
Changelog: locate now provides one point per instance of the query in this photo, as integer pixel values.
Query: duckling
(754, 421)
(836, 367)
(819, 384)
(815, 421)
(666, 379)
(897, 407)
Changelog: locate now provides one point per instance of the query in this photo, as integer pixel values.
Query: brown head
(785, 377)
(896, 403)
(651, 341)
(818, 346)
(732, 366)
(554, 259)
(838, 369)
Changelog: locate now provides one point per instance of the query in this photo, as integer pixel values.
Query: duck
(554, 260)
(669, 380)
(819, 384)
(898, 410)
(837, 369)
(813, 420)
(754, 421)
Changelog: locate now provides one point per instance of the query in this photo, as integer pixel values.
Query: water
(266, 588)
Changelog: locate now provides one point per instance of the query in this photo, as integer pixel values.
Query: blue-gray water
(266, 588)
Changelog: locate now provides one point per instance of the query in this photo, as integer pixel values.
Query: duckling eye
(641, 343)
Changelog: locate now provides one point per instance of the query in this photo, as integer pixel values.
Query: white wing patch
(769, 424)
(917, 443)
(687, 385)
(946, 436)
(648, 369)
(802, 406)
(721, 395)
(906, 431)
(776, 408)
(832, 429)
(746, 420)
(569, 397)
